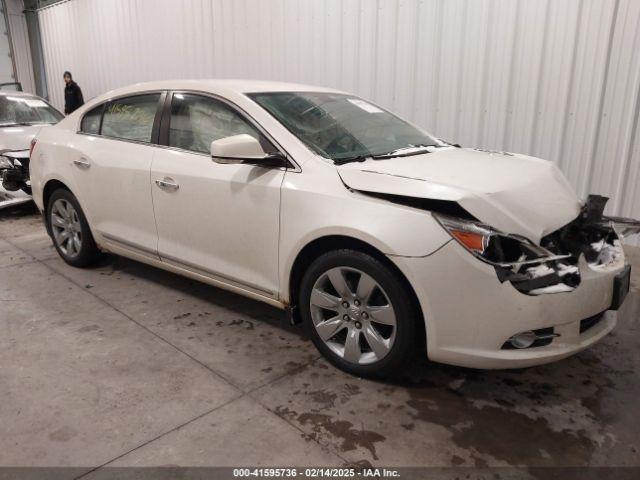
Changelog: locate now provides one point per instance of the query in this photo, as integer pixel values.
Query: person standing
(72, 94)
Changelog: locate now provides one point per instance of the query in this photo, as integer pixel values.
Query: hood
(18, 137)
(513, 193)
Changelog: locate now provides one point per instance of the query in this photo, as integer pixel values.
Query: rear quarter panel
(52, 160)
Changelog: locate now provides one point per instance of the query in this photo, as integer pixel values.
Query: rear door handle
(82, 163)
(168, 184)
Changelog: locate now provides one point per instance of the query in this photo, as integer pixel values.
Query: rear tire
(70, 230)
(359, 313)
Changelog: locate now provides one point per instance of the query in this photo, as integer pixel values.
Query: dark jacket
(72, 97)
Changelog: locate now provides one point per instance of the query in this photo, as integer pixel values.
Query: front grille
(590, 322)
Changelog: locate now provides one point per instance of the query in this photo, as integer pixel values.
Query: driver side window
(196, 121)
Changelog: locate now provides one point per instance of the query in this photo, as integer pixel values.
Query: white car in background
(22, 115)
(379, 237)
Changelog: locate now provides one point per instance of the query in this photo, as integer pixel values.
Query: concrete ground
(127, 365)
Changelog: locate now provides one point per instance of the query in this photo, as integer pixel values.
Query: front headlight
(494, 247)
(5, 162)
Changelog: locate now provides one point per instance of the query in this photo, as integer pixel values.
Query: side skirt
(140, 254)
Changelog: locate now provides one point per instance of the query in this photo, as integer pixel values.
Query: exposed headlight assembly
(494, 247)
(5, 162)
(553, 266)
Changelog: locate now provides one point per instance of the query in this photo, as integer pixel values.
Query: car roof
(220, 86)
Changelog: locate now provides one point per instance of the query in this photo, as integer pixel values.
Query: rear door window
(131, 118)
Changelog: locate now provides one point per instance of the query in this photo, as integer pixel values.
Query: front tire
(70, 230)
(359, 313)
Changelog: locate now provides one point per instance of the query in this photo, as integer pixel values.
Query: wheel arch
(321, 245)
(51, 186)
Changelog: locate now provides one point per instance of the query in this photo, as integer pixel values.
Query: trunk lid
(18, 137)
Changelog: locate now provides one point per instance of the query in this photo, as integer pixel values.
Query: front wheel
(70, 230)
(358, 313)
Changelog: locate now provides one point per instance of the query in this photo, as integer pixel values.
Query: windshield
(342, 127)
(26, 110)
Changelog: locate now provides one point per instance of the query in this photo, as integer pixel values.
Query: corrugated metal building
(7, 67)
(559, 79)
(20, 51)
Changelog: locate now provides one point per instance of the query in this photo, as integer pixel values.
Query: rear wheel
(70, 230)
(358, 313)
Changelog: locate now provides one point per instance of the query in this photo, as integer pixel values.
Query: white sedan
(380, 238)
(22, 115)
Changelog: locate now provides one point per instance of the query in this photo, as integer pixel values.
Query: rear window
(26, 110)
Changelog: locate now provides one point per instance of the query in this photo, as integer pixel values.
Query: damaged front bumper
(469, 315)
(14, 171)
(592, 236)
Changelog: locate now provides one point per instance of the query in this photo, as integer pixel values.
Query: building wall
(20, 43)
(7, 73)
(557, 79)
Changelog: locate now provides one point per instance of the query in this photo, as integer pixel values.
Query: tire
(65, 215)
(352, 326)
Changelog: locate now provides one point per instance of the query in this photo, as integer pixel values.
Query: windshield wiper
(406, 151)
(355, 158)
(398, 152)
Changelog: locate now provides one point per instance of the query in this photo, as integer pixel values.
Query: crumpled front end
(473, 320)
(522, 195)
(512, 303)
(14, 170)
(591, 235)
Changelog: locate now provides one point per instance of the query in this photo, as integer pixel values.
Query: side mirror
(243, 148)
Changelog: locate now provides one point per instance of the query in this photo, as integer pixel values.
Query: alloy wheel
(66, 228)
(352, 315)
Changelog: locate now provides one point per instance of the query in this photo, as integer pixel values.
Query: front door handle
(82, 163)
(168, 184)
